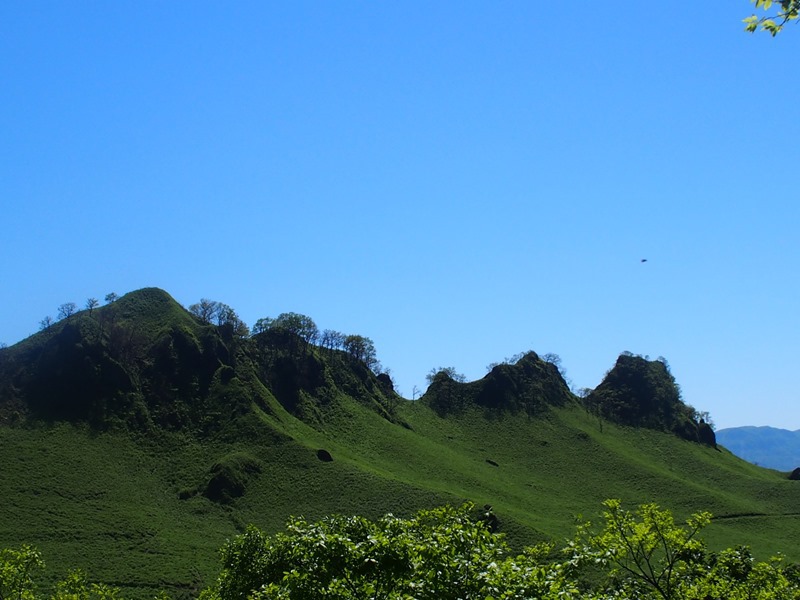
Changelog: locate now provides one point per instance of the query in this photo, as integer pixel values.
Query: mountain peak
(643, 393)
(530, 385)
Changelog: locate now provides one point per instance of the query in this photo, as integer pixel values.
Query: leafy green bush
(17, 570)
(437, 554)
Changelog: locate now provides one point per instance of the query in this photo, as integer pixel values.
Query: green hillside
(138, 437)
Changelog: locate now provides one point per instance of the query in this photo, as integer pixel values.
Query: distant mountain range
(769, 447)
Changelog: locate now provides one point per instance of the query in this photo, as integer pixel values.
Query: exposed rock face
(386, 381)
(705, 434)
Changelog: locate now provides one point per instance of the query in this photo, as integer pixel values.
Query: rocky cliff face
(643, 393)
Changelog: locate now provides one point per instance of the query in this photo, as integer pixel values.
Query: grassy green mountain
(137, 437)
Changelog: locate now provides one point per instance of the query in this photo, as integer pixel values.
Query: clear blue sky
(459, 181)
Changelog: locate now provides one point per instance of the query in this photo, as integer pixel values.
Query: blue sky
(459, 181)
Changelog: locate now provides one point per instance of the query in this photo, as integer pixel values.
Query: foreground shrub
(437, 554)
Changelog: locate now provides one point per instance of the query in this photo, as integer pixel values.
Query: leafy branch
(789, 11)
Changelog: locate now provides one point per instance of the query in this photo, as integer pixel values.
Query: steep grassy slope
(140, 485)
(111, 504)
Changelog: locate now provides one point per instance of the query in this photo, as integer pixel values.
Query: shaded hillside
(307, 380)
(769, 447)
(140, 362)
(530, 385)
(643, 393)
(145, 362)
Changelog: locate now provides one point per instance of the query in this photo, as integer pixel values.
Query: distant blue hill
(765, 446)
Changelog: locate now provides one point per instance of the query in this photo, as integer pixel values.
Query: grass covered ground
(110, 503)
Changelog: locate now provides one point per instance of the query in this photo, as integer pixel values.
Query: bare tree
(705, 416)
(66, 310)
(212, 312)
(91, 304)
(332, 340)
(205, 310)
(449, 372)
(45, 323)
(553, 359)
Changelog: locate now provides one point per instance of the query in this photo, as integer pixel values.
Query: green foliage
(788, 10)
(733, 574)
(362, 349)
(645, 554)
(437, 554)
(289, 328)
(17, 569)
(77, 587)
(645, 551)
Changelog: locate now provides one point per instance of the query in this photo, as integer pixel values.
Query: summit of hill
(642, 393)
(528, 385)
